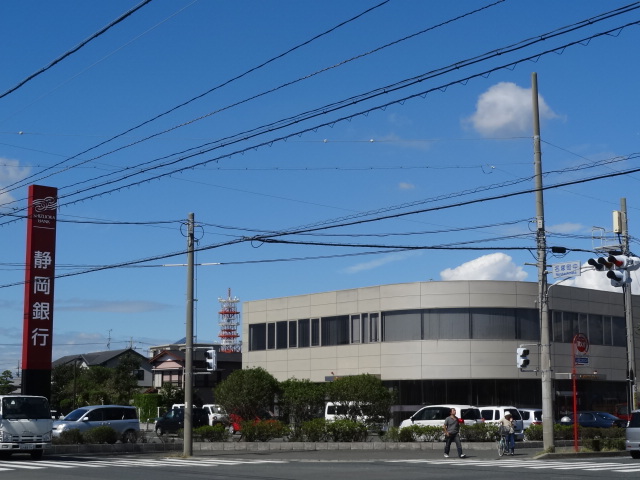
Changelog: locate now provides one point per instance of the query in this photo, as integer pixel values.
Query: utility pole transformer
(543, 298)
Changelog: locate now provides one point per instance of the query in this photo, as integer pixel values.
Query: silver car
(633, 435)
(123, 419)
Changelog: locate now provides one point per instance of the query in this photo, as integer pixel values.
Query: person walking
(451, 429)
(508, 427)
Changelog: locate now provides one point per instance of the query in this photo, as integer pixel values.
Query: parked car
(173, 420)
(493, 414)
(594, 419)
(633, 435)
(530, 416)
(217, 415)
(123, 419)
(434, 415)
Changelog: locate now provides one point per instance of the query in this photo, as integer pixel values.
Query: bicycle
(502, 442)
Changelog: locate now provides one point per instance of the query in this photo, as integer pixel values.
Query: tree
(6, 382)
(365, 395)
(170, 394)
(300, 401)
(247, 393)
(124, 379)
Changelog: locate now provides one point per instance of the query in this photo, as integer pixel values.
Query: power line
(173, 109)
(76, 48)
(347, 102)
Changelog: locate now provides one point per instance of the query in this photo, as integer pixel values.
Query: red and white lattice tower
(229, 321)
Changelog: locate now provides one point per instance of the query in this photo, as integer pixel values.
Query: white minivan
(495, 414)
(434, 415)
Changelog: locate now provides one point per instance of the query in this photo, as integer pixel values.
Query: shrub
(479, 432)
(69, 437)
(314, 430)
(263, 430)
(103, 434)
(533, 433)
(216, 433)
(344, 430)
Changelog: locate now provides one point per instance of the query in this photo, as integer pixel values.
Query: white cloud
(505, 109)
(406, 186)
(112, 306)
(10, 172)
(566, 227)
(495, 266)
(378, 262)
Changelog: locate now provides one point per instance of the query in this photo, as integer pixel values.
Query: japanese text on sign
(567, 269)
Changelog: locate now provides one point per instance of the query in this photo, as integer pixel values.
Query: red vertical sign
(37, 334)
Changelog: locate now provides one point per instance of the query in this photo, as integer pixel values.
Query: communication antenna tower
(229, 321)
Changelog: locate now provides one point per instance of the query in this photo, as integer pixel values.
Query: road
(336, 465)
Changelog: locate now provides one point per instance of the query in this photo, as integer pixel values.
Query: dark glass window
(304, 335)
(595, 330)
(528, 324)
(618, 332)
(401, 325)
(257, 337)
(453, 324)
(293, 334)
(493, 323)
(355, 328)
(281, 334)
(315, 332)
(271, 335)
(335, 330)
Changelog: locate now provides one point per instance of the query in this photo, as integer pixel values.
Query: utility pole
(188, 370)
(628, 314)
(543, 304)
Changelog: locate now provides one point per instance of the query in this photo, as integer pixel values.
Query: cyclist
(507, 428)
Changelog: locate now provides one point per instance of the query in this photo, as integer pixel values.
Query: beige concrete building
(444, 342)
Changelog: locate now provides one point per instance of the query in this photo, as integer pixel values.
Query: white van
(495, 414)
(434, 415)
(335, 411)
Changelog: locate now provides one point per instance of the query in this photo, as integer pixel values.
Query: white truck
(25, 425)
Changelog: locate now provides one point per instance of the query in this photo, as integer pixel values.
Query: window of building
(281, 334)
(293, 334)
(618, 332)
(355, 329)
(527, 324)
(257, 337)
(271, 336)
(401, 325)
(493, 323)
(304, 333)
(335, 330)
(315, 332)
(453, 324)
(370, 327)
(595, 330)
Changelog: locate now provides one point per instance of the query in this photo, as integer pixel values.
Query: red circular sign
(581, 343)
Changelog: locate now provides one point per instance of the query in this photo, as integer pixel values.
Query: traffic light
(595, 263)
(212, 364)
(618, 277)
(625, 262)
(522, 360)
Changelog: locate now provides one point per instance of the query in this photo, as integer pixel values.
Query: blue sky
(378, 126)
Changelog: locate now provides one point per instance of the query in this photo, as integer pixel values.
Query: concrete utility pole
(628, 314)
(188, 367)
(543, 305)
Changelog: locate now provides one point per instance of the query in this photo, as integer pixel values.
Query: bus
(25, 425)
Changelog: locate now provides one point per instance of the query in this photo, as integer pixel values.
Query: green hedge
(216, 433)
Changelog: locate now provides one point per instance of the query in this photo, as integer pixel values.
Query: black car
(594, 419)
(173, 420)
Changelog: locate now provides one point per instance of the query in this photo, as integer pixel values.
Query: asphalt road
(318, 465)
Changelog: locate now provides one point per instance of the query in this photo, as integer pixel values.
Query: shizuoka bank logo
(44, 204)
